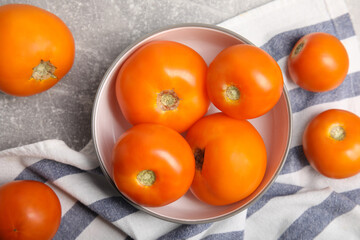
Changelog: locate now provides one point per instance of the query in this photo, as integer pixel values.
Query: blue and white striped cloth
(301, 204)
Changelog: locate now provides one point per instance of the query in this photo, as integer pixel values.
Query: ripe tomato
(318, 62)
(153, 165)
(36, 49)
(230, 159)
(244, 81)
(29, 210)
(331, 143)
(163, 82)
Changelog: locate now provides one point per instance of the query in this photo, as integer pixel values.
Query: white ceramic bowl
(108, 124)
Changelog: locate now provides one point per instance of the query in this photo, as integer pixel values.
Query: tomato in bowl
(108, 124)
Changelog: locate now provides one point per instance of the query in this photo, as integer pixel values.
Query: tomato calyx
(44, 70)
(337, 133)
(199, 158)
(232, 93)
(146, 178)
(298, 48)
(168, 100)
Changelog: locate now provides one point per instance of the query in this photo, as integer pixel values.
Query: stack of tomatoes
(165, 89)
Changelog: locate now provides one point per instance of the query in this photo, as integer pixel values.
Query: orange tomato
(163, 82)
(36, 49)
(153, 165)
(230, 159)
(318, 62)
(30, 210)
(244, 81)
(331, 143)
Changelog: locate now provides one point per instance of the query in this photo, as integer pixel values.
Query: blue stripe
(185, 231)
(275, 190)
(301, 99)
(49, 169)
(46, 169)
(29, 174)
(97, 171)
(74, 222)
(295, 160)
(113, 208)
(281, 44)
(315, 219)
(238, 235)
(353, 195)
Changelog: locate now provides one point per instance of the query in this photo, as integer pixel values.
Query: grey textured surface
(102, 29)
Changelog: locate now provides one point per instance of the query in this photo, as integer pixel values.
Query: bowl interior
(109, 124)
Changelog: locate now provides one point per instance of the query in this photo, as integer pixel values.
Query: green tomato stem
(44, 70)
(337, 133)
(146, 177)
(168, 100)
(232, 93)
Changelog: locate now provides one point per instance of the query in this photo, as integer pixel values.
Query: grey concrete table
(102, 29)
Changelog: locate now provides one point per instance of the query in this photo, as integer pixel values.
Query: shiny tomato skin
(30, 210)
(161, 66)
(28, 35)
(161, 150)
(333, 158)
(318, 62)
(255, 75)
(234, 159)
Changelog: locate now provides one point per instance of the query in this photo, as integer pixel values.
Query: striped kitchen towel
(300, 204)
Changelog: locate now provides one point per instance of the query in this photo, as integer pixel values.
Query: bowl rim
(96, 103)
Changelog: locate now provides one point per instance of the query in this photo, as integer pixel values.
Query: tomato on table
(331, 143)
(153, 165)
(230, 159)
(244, 81)
(30, 210)
(36, 49)
(318, 62)
(163, 82)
